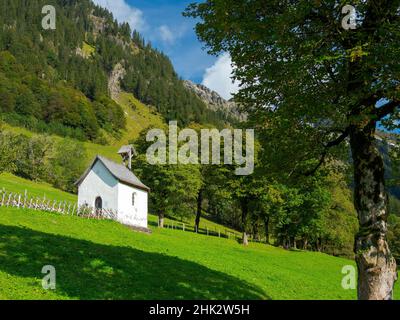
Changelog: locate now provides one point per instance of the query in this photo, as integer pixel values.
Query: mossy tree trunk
(376, 265)
(161, 220)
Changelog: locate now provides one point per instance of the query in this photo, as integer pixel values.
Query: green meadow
(97, 259)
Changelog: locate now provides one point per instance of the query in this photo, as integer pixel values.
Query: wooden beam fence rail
(20, 201)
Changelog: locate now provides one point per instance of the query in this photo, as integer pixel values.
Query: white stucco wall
(116, 196)
(99, 183)
(132, 215)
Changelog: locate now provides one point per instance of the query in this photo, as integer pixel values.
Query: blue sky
(161, 22)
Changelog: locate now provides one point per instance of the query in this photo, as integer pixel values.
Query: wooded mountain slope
(58, 80)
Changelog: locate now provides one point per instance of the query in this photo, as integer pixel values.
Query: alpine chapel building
(110, 186)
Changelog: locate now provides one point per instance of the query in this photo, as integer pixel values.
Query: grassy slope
(101, 259)
(87, 49)
(139, 117)
(104, 260)
(15, 184)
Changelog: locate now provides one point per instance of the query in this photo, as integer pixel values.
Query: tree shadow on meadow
(87, 270)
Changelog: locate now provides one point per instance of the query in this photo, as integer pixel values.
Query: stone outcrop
(214, 101)
(114, 80)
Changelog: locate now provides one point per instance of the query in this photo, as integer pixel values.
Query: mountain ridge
(214, 101)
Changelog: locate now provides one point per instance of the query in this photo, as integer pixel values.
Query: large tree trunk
(199, 208)
(161, 220)
(376, 266)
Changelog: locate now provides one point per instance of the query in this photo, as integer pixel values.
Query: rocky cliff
(214, 101)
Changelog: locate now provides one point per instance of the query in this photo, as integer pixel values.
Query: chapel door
(98, 205)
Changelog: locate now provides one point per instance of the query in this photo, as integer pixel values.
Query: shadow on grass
(86, 270)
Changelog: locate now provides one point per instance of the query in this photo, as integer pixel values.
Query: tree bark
(376, 266)
(245, 239)
(161, 220)
(305, 244)
(266, 222)
(245, 210)
(255, 234)
(199, 208)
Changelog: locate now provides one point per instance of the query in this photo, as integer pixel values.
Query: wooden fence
(25, 201)
(209, 231)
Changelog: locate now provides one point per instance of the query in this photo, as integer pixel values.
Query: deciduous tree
(320, 85)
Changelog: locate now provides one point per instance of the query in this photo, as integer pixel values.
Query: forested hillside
(57, 80)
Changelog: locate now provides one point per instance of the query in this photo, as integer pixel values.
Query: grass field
(15, 184)
(11, 183)
(104, 260)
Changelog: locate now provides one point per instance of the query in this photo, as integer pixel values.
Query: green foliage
(44, 107)
(43, 158)
(67, 163)
(109, 114)
(308, 85)
(8, 152)
(174, 188)
(394, 236)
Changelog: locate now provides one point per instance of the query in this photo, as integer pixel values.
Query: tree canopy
(315, 85)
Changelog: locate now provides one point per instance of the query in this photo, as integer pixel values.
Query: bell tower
(127, 153)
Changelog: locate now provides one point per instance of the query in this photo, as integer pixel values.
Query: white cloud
(218, 77)
(166, 34)
(123, 12)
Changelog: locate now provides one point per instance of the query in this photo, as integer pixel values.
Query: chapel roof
(119, 171)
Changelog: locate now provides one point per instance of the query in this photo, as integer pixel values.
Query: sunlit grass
(105, 260)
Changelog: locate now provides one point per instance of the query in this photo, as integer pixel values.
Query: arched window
(98, 204)
(133, 199)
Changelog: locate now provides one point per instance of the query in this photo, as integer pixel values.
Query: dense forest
(57, 80)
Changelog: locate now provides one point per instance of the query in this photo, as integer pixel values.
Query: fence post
(25, 197)
(183, 227)
(2, 201)
(9, 199)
